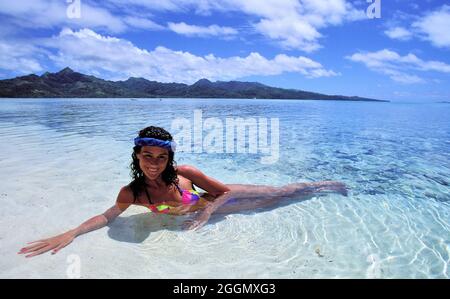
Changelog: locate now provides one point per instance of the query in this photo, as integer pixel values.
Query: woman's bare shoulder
(188, 171)
(125, 195)
(183, 174)
(181, 169)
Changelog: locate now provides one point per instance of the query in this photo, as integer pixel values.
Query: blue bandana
(142, 141)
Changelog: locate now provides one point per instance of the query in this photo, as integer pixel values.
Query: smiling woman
(163, 187)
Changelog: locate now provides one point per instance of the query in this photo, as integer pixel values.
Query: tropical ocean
(63, 161)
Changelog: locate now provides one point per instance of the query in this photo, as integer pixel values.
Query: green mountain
(69, 84)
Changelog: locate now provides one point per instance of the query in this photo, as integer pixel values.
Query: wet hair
(169, 175)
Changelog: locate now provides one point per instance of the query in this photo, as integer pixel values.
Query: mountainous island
(70, 84)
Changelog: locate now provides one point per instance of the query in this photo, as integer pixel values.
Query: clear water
(64, 160)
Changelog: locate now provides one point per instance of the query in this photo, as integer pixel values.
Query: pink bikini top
(188, 196)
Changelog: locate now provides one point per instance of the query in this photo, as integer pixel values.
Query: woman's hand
(203, 215)
(198, 221)
(55, 243)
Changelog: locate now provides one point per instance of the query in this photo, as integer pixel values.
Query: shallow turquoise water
(395, 158)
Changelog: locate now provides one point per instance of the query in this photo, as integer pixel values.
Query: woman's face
(153, 160)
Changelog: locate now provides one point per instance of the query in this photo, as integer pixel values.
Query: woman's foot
(334, 186)
(310, 188)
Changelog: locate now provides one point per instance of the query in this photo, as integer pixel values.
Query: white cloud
(143, 23)
(399, 33)
(404, 78)
(396, 66)
(202, 31)
(53, 14)
(432, 26)
(435, 27)
(291, 33)
(20, 57)
(159, 5)
(294, 24)
(92, 53)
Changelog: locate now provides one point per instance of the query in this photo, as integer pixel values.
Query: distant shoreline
(70, 84)
(205, 98)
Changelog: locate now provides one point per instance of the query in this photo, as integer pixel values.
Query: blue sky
(328, 46)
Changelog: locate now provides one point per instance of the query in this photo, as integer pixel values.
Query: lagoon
(64, 160)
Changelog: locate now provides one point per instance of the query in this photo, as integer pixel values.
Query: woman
(161, 186)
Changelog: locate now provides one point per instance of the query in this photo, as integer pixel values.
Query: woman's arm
(60, 241)
(212, 186)
(198, 178)
(98, 221)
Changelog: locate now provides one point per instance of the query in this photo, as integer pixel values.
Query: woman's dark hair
(169, 175)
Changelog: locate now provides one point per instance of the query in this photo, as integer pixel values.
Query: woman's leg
(249, 197)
